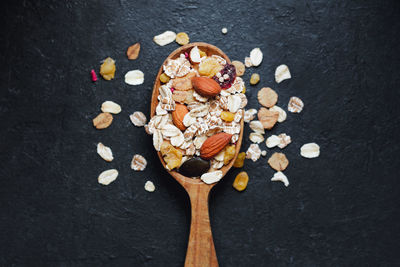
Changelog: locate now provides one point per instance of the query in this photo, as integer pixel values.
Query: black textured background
(340, 209)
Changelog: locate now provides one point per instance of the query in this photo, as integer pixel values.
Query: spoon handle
(201, 250)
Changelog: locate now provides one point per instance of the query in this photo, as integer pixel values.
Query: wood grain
(201, 250)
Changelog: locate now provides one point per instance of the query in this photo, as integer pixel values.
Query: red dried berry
(94, 76)
(229, 71)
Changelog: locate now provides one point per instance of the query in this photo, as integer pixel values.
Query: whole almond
(267, 117)
(214, 144)
(267, 97)
(178, 114)
(133, 51)
(205, 86)
(103, 120)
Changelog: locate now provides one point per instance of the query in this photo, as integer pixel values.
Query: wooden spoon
(201, 250)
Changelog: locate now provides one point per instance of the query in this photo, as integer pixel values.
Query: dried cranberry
(229, 71)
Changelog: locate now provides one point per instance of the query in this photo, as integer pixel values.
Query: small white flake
(282, 73)
(224, 30)
(149, 186)
(280, 177)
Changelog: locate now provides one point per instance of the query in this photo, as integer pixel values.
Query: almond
(206, 86)
(178, 114)
(214, 144)
(184, 83)
(133, 51)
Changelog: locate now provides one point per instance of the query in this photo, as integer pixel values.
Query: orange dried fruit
(172, 156)
(182, 38)
(107, 69)
(229, 154)
(202, 53)
(227, 116)
(241, 181)
(164, 78)
(239, 162)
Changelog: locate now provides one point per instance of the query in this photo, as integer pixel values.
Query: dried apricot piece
(107, 69)
(172, 156)
(182, 38)
(209, 67)
(239, 162)
(241, 181)
(164, 78)
(227, 116)
(254, 79)
(229, 154)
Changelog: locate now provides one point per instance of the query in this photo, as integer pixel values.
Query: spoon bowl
(201, 250)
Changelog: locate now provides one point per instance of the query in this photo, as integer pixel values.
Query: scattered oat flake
(253, 152)
(284, 140)
(250, 114)
(282, 73)
(165, 38)
(240, 68)
(134, 77)
(104, 152)
(256, 57)
(278, 161)
(257, 127)
(282, 114)
(107, 177)
(182, 38)
(267, 97)
(273, 141)
(211, 177)
(149, 186)
(310, 150)
(256, 138)
(110, 107)
(247, 62)
(138, 163)
(280, 177)
(295, 104)
(138, 118)
(103, 120)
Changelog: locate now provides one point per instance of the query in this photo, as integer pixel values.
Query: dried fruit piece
(107, 177)
(202, 53)
(178, 114)
(107, 69)
(256, 57)
(267, 97)
(282, 114)
(240, 68)
(110, 107)
(267, 118)
(239, 162)
(229, 154)
(247, 62)
(103, 120)
(310, 150)
(93, 76)
(256, 138)
(134, 77)
(194, 167)
(227, 116)
(182, 38)
(280, 177)
(209, 67)
(172, 156)
(253, 152)
(278, 161)
(254, 79)
(214, 144)
(149, 186)
(295, 105)
(138, 163)
(249, 114)
(226, 76)
(195, 55)
(205, 86)
(164, 78)
(282, 73)
(165, 38)
(273, 141)
(241, 181)
(133, 51)
(257, 127)
(138, 118)
(284, 140)
(104, 152)
(211, 177)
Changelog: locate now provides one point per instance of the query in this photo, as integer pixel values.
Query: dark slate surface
(341, 209)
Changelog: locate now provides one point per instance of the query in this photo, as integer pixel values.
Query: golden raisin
(227, 116)
(202, 53)
(209, 67)
(164, 78)
(182, 38)
(241, 181)
(239, 162)
(107, 69)
(172, 156)
(229, 154)
(255, 78)
(244, 89)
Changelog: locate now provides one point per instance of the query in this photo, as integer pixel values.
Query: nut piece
(107, 177)
(310, 150)
(134, 77)
(249, 114)
(133, 51)
(267, 118)
(195, 55)
(182, 38)
(164, 38)
(278, 161)
(110, 107)
(104, 152)
(240, 68)
(295, 105)
(253, 152)
(205, 86)
(178, 114)
(280, 177)
(138, 163)
(103, 120)
(256, 57)
(149, 186)
(211, 177)
(267, 97)
(138, 119)
(256, 138)
(214, 144)
(282, 73)
(282, 114)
